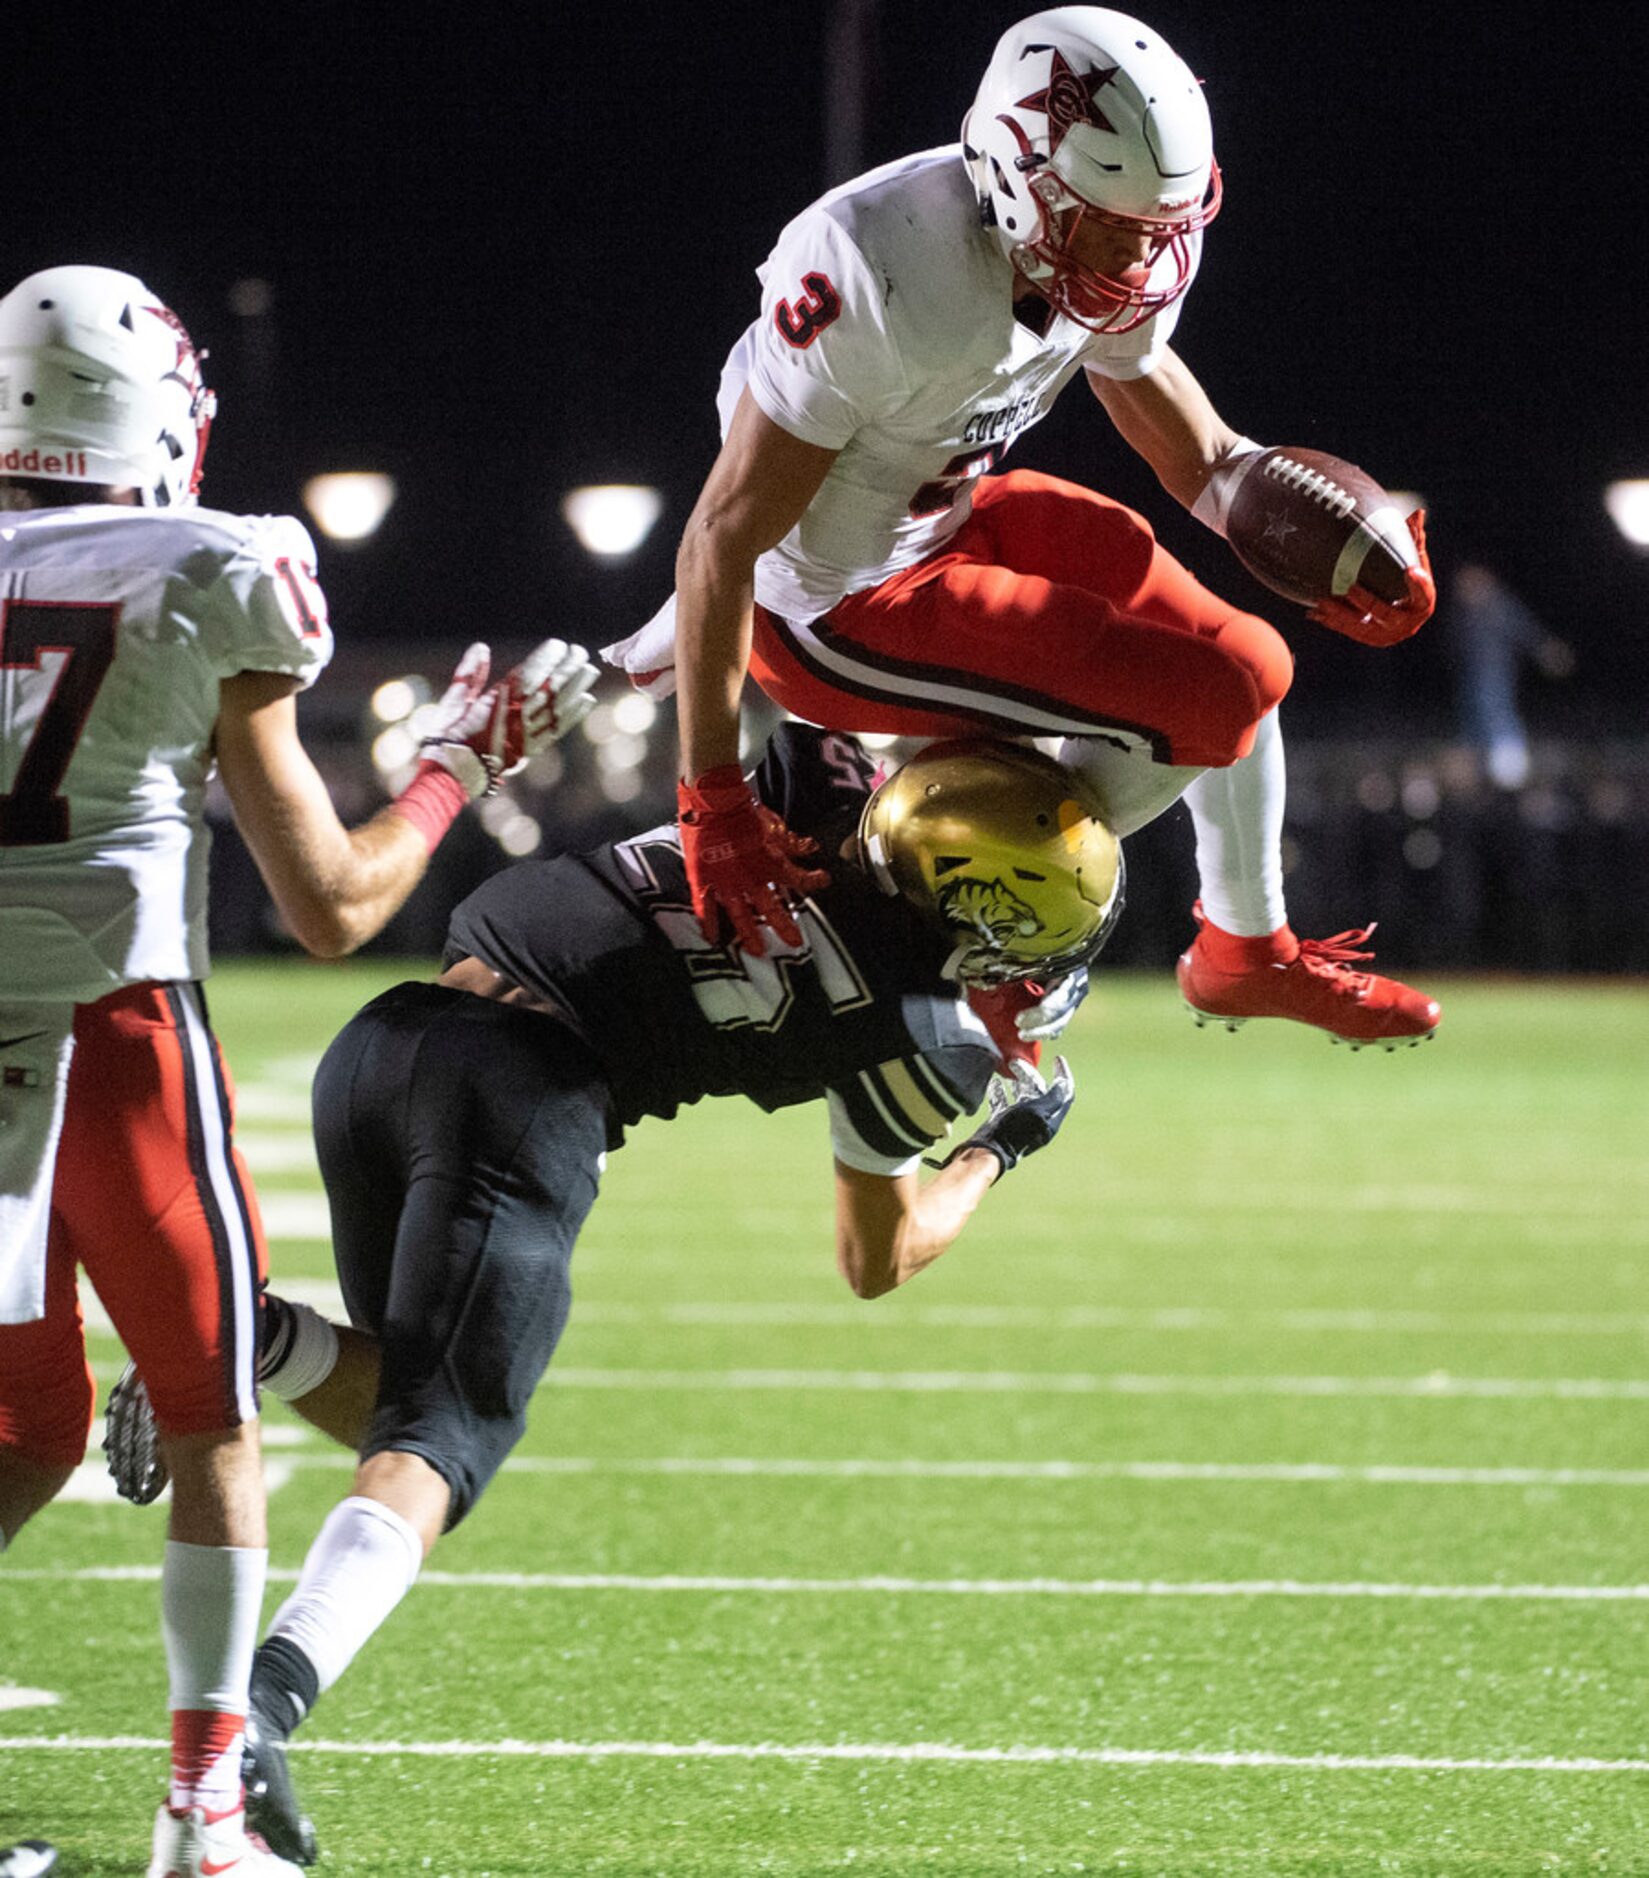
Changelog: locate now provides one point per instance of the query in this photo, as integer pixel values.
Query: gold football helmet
(1005, 848)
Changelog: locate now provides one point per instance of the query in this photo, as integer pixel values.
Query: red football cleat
(1225, 979)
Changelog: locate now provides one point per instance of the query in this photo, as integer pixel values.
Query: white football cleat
(194, 1844)
(32, 1859)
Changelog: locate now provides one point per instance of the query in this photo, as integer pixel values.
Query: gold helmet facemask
(1006, 849)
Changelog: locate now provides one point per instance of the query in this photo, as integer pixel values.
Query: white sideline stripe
(1083, 1382)
(323, 1295)
(934, 1587)
(1111, 1317)
(878, 1751)
(1303, 1473)
(296, 1215)
(272, 1151)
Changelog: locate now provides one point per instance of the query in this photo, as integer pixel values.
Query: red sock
(1231, 952)
(206, 1745)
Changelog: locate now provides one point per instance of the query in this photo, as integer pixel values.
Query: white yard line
(1286, 1473)
(721, 1585)
(1230, 1759)
(278, 1150)
(1194, 1318)
(323, 1294)
(1438, 1384)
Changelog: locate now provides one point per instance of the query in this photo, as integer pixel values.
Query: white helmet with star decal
(101, 384)
(1088, 114)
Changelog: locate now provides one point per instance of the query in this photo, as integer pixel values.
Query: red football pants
(152, 1199)
(1052, 612)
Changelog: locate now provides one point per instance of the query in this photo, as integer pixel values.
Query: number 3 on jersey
(816, 307)
(53, 656)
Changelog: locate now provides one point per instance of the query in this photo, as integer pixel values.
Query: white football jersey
(116, 626)
(887, 333)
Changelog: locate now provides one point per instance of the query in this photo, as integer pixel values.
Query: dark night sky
(511, 245)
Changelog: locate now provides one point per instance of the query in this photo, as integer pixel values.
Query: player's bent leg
(326, 1373)
(1228, 978)
(46, 1397)
(26, 1488)
(217, 1487)
(959, 646)
(363, 1562)
(1237, 813)
(1133, 789)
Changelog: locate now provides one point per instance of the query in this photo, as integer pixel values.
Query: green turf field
(1260, 1488)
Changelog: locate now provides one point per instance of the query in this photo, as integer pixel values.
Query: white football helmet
(100, 383)
(1087, 114)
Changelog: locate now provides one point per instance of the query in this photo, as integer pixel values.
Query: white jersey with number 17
(116, 627)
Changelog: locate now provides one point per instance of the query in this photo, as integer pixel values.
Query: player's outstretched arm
(758, 489)
(890, 1227)
(1170, 420)
(337, 887)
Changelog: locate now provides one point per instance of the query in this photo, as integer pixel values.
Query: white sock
(1133, 788)
(1238, 813)
(362, 1564)
(210, 1598)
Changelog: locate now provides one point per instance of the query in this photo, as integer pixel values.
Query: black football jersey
(860, 1010)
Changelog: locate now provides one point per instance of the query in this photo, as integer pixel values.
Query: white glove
(1047, 1019)
(483, 733)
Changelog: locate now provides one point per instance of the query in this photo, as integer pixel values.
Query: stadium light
(349, 505)
(1628, 506)
(612, 519)
(397, 698)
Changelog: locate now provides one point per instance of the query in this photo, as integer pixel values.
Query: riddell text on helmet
(43, 463)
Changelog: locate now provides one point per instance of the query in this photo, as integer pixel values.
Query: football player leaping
(913, 323)
(580, 994)
(142, 639)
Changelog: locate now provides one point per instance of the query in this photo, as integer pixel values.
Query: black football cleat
(272, 1808)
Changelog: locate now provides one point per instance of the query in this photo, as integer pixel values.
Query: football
(1309, 526)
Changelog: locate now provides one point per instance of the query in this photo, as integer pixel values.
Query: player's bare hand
(1362, 616)
(743, 863)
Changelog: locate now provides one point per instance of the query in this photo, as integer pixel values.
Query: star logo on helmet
(1070, 98)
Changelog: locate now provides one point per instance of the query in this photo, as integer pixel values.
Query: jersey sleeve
(822, 361)
(808, 775)
(266, 611)
(885, 1119)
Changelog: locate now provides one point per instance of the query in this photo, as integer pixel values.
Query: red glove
(1373, 622)
(741, 860)
(997, 1006)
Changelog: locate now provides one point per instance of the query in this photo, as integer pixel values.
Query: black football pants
(460, 1141)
